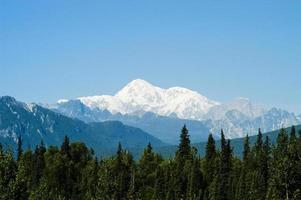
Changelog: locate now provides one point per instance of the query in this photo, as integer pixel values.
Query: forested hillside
(72, 171)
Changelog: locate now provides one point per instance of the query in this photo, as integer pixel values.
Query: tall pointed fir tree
(183, 159)
(160, 184)
(65, 147)
(210, 159)
(223, 175)
(293, 135)
(20, 149)
(210, 167)
(8, 169)
(122, 173)
(195, 188)
(260, 172)
(20, 185)
(279, 187)
(184, 150)
(243, 184)
(294, 161)
(146, 173)
(38, 164)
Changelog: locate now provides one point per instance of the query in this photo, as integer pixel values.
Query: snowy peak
(139, 96)
(138, 84)
(242, 105)
(140, 92)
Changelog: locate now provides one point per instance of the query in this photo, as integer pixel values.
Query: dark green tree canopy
(73, 171)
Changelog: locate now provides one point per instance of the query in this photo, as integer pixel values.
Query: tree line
(73, 171)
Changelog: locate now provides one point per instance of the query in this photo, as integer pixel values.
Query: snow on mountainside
(140, 96)
(242, 105)
(238, 117)
(241, 117)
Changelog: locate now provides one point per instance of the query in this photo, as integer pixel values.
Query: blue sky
(223, 49)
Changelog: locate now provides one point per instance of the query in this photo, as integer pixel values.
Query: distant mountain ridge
(241, 117)
(35, 123)
(137, 100)
(164, 128)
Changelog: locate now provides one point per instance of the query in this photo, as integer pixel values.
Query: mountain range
(162, 112)
(34, 123)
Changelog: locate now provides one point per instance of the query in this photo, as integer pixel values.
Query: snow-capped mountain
(237, 125)
(131, 105)
(242, 105)
(140, 96)
(240, 117)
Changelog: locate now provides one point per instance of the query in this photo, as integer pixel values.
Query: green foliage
(73, 172)
(225, 167)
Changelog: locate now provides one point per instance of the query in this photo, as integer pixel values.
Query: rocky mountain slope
(35, 123)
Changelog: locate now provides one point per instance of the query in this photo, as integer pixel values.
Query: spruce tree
(146, 173)
(19, 150)
(160, 185)
(38, 164)
(65, 148)
(294, 161)
(259, 182)
(293, 135)
(184, 150)
(183, 159)
(210, 159)
(20, 185)
(279, 187)
(243, 184)
(195, 181)
(223, 176)
(8, 170)
(122, 172)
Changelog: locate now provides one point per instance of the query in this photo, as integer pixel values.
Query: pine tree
(38, 164)
(183, 159)
(242, 187)
(210, 159)
(294, 161)
(184, 150)
(246, 152)
(122, 172)
(19, 150)
(293, 135)
(223, 176)
(160, 185)
(65, 148)
(8, 169)
(89, 179)
(195, 181)
(146, 175)
(280, 169)
(19, 186)
(297, 193)
(259, 183)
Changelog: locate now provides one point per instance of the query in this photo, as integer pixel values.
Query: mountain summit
(141, 104)
(139, 96)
